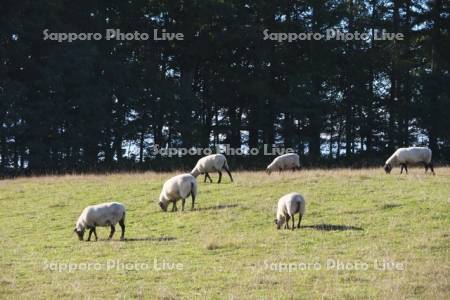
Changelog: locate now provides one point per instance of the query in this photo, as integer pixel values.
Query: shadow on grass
(331, 227)
(216, 207)
(151, 239)
(390, 205)
(215, 182)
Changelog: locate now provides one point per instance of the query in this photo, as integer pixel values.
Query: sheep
(288, 206)
(104, 214)
(284, 162)
(211, 163)
(178, 187)
(411, 155)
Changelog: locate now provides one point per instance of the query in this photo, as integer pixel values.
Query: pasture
(387, 236)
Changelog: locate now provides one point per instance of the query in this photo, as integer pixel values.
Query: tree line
(103, 105)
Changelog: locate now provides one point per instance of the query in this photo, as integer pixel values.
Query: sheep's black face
(80, 234)
(387, 168)
(277, 223)
(163, 206)
(268, 171)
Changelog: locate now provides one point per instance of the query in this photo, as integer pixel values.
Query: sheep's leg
(220, 177)
(95, 233)
(90, 233)
(431, 168)
(122, 226)
(182, 204)
(406, 169)
(401, 169)
(299, 220)
(193, 201)
(205, 177)
(174, 206)
(287, 222)
(113, 229)
(209, 177)
(229, 173)
(293, 222)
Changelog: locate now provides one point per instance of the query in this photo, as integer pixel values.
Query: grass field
(229, 247)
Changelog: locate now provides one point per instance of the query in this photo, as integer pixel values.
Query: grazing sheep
(288, 206)
(104, 214)
(178, 187)
(411, 155)
(284, 162)
(211, 163)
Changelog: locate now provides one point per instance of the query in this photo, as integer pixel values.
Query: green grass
(228, 247)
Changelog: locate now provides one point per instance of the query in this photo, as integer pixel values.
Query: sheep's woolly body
(285, 162)
(412, 155)
(209, 164)
(104, 214)
(178, 187)
(288, 206)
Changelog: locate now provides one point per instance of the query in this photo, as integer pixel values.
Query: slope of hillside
(365, 234)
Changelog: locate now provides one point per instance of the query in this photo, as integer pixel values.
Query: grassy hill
(356, 223)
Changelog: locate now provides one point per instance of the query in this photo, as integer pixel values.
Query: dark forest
(102, 105)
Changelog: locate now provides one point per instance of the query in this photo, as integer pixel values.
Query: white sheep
(211, 163)
(411, 155)
(176, 188)
(104, 214)
(284, 162)
(288, 206)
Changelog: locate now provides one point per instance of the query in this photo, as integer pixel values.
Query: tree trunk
(394, 91)
(435, 64)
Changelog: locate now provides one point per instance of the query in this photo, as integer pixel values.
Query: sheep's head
(268, 171)
(163, 205)
(195, 172)
(279, 222)
(387, 168)
(80, 233)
